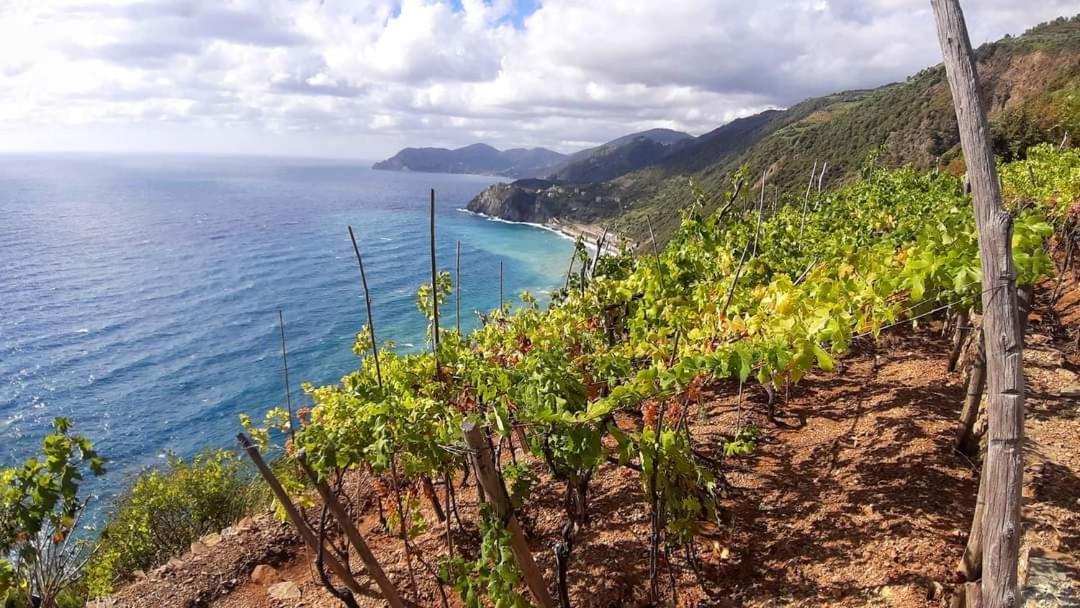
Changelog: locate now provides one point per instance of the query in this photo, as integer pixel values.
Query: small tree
(40, 509)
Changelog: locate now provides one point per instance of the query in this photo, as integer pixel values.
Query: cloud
(375, 75)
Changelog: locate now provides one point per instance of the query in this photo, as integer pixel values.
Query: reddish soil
(854, 496)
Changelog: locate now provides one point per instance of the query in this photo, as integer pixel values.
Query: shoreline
(566, 230)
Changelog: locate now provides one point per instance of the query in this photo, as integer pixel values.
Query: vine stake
(285, 363)
(294, 515)
(489, 479)
(389, 591)
(367, 300)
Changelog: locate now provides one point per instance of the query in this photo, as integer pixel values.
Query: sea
(139, 295)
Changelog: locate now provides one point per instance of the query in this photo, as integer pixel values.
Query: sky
(363, 78)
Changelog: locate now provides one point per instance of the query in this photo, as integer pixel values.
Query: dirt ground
(853, 497)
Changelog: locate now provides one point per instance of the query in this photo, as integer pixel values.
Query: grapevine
(607, 374)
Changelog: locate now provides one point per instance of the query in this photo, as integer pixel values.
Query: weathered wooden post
(294, 515)
(1001, 318)
(488, 477)
(389, 591)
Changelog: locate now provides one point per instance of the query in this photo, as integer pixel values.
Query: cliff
(540, 201)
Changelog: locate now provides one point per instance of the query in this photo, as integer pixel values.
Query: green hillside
(1031, 83)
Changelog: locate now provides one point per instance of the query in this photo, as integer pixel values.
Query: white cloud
(365, 77)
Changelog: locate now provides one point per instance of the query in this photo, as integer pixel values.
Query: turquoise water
(139, 296)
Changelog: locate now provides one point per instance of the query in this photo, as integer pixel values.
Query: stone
(1070, 391)
(264, 574)
(1048, 582)
(284, 592)
(198, 548)
(211, 540)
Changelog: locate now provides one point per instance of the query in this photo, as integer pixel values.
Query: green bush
(168, 508)
(40, 509)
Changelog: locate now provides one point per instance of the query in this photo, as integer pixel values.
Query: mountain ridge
(478, 158)
(1032, 87)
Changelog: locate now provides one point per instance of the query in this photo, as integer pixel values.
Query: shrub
(169, 507)
(40, 557)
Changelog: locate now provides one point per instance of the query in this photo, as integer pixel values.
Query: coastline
(567, 230)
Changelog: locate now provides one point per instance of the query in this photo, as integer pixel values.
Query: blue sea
(139, 296)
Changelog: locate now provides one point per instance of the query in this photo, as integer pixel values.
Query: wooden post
(389, 591)
(656, 254)
(489, 479)
(742, 258)
(285, 363)
(960, 334)
(599, 248)
(434, 290)
(972, 560)
(965, 438)
(457, 288)
(367, 299)
(294, 515)
(1001, 318)
(806, 199)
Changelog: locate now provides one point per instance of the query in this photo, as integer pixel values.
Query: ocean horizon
(140, 294)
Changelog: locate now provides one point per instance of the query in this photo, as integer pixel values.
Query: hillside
(1030, 83)
(476, 158)
(619, 156)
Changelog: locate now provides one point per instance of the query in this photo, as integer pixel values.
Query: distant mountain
(619, 156)
(477, 158)
(1031, 84)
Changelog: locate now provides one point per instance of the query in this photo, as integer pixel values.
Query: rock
(937, 591)
(284, 592)
(140, 575)
(1070, 391)
(264, 574)
(198, 548)
(168, 567)
(1048, 582)
(211, 540)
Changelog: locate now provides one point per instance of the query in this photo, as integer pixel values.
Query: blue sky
(363, 78)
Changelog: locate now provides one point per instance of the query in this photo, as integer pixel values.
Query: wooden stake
(742, 258)
(457, 286)
(1001, 318)
(367, 300)
(488, 477)
(972, 560)
(599, 248)
(960, 334)
(656, 254)
(969, 414)
(285, 362)
(389, 591)
(806, 199)
(294, 515)
(731, 200)
(434, 290)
